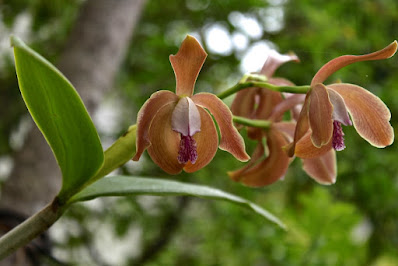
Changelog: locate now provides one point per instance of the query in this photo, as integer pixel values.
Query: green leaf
(61, 116)
(127, 185)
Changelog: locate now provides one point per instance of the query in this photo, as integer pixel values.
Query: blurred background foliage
(354, 222)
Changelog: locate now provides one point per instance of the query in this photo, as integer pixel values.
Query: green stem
(252, 122)
(115, 156)
(29, 229)
(266, 85)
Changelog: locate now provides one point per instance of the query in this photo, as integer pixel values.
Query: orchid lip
(187, 151)
(338, 136)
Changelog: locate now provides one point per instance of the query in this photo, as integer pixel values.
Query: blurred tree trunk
(90, 60)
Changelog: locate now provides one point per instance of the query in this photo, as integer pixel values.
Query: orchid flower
(270, 162)
(258, 103)
(326, 107)
(175, 128)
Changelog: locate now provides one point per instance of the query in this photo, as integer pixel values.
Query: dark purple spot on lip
(187, 151)
(338, 137)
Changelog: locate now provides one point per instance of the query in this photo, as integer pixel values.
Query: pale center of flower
(338, 136)
(186, 121)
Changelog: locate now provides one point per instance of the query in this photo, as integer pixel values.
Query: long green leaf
(61, 116)
(127, 185)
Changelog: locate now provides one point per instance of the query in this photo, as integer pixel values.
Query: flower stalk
(258, 123)
(257, 84)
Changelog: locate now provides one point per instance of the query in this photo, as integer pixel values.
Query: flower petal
(274, 60)
(272, 168)
(320, 116)
(287, 128)
(306, 149)
(187, 64)
(207, 142)
(165, 141)
(322, 169)
(258, 153)
(186, 118)
(244, 102)
(268, 100)
(146, 115)
(340, 112)
(295, 111)
(231, 140)
(342, 61)
(288, 103)
(302, 126)
(369, 114)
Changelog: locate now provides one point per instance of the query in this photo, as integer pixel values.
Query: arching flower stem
(256, 84)
(258, 123)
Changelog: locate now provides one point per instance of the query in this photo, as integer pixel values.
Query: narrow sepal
(274, 60)
(187, 64)
(345, 60)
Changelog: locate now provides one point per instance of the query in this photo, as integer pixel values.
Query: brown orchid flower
(270, 162)
(258, 103)
(177, 131)
(326, 107)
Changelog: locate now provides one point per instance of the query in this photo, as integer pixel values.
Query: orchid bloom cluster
(178, 131)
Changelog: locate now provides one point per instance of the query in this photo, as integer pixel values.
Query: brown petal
(320, 116)
(207, 142)
(268, 100)
(369, 114)
(287, 104)
(302, 126)
(287, 128)
(322, 169)
(187, 64)
(342, 61)
(231, 140)
(146, 115)
(306, 149)
(244, 102)
(258, 153)
(274, 60)
(273, 167)
(295, 111)
(165, 141)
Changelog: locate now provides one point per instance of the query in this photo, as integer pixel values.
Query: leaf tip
(15, 41)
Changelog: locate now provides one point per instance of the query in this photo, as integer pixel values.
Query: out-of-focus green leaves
(60, 115)
(127, 185)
